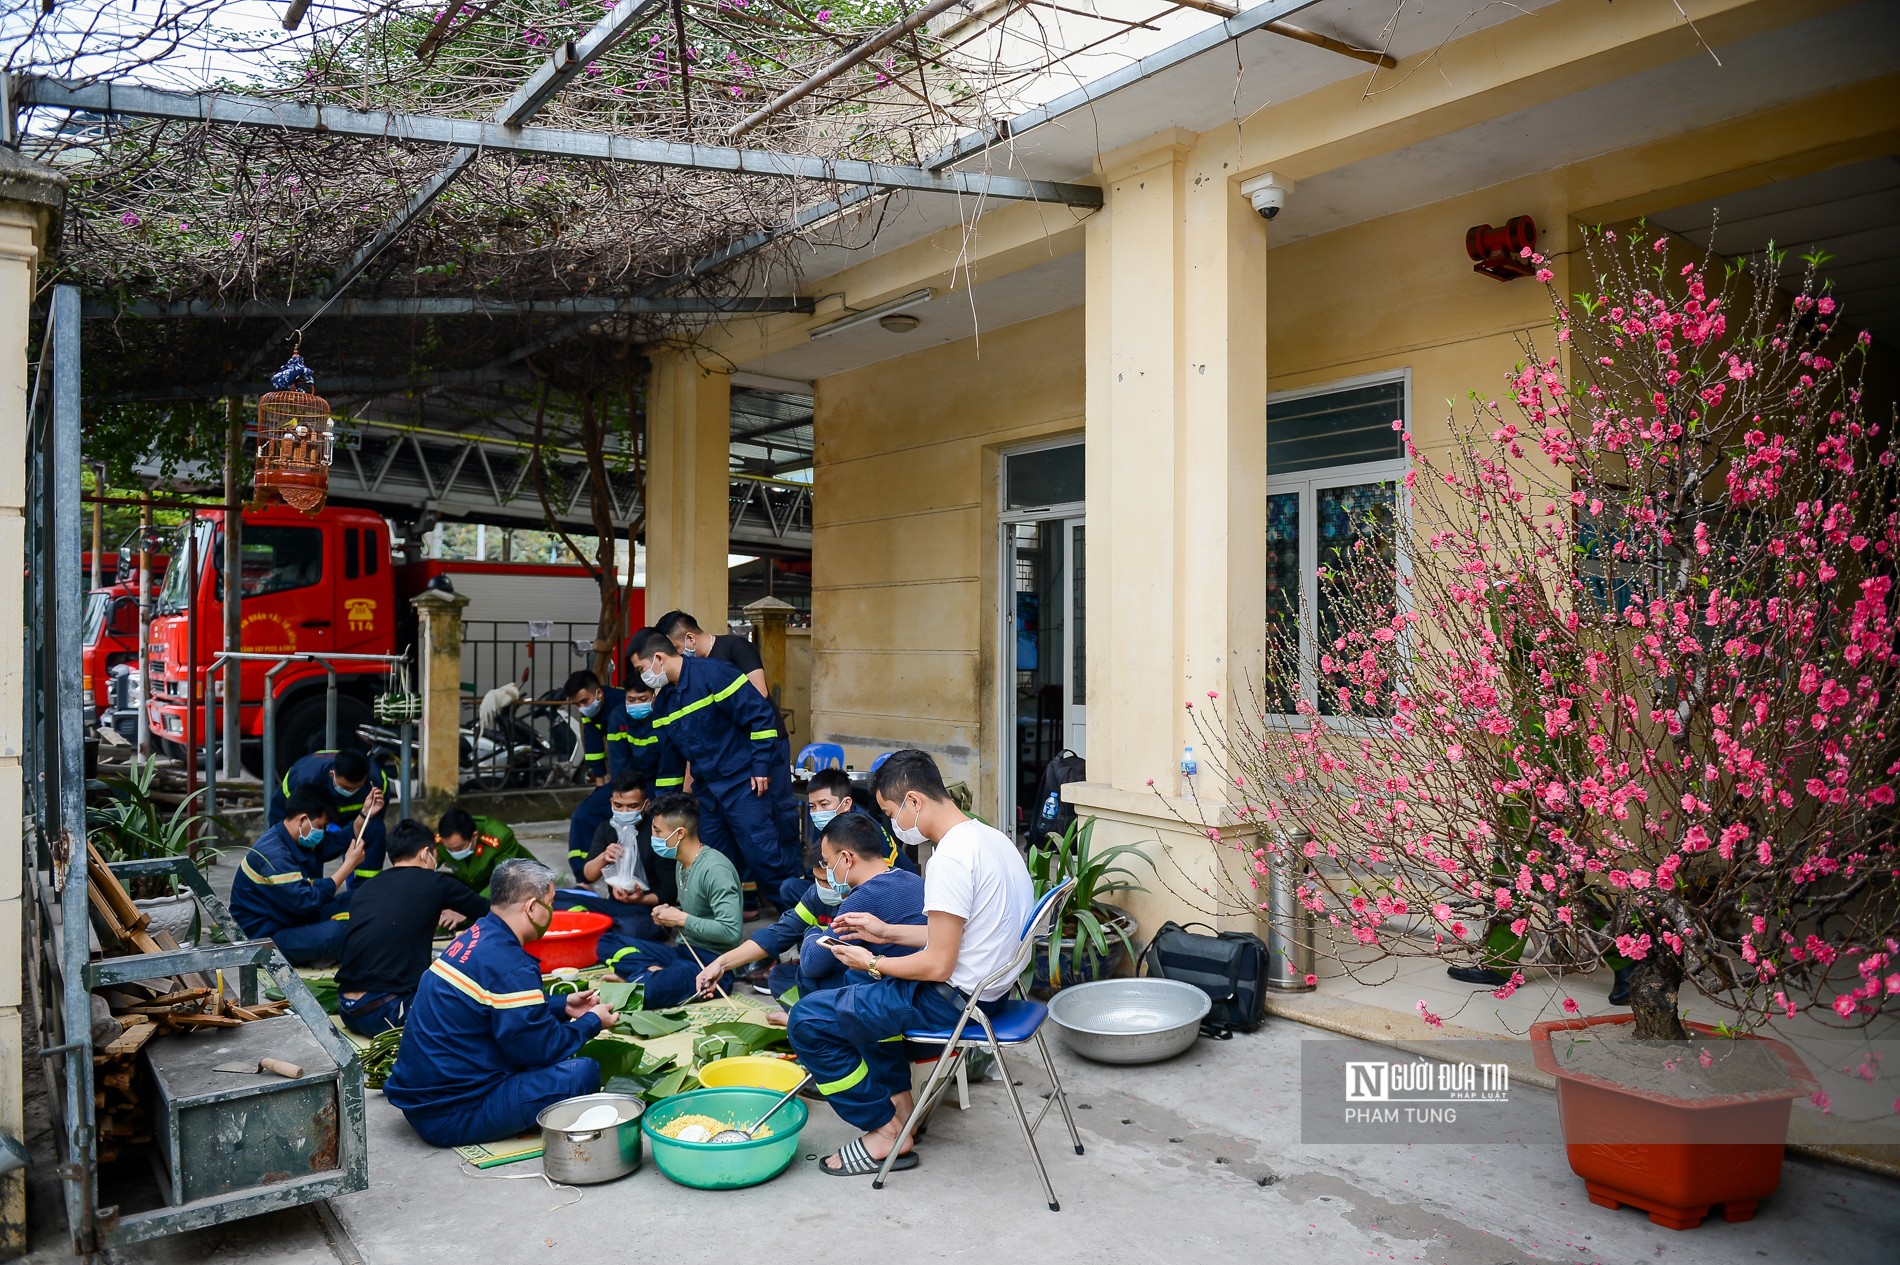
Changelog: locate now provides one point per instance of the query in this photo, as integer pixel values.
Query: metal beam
(424, 129)
(217, 309)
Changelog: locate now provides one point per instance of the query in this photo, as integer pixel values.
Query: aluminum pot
(1129, 1020)
(584, 1157)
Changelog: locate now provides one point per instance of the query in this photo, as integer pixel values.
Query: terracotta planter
(1675, 1159)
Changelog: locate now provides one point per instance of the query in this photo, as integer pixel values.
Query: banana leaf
(754, 1036)
(653, 1023)
(622, 997)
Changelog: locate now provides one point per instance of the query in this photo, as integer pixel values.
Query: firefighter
(280, 891)
(603, 711)
(484, 1051)
(708, 717)
(347, 776)
(470, 847)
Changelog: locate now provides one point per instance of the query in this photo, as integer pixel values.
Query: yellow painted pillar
(439, 651)
(689, 430)
(1176, 388)
(31, 198)
(769, 616)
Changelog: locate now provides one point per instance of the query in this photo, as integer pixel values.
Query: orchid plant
(1619, 680)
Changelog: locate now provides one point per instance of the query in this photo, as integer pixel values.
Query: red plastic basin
(572, 939)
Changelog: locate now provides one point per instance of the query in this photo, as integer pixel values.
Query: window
(1043, 476)
(352, 563)
(275, 559)
(1335, 496)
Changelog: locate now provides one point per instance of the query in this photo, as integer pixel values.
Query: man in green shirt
(707, 921)
(470, 847)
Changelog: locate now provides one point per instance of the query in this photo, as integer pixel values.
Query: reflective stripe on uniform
(764, 735)
(810, 919)
(698, 703)
(647, 741)
(632, 948)
(669, 781)
(475, 992)
(843, 1083)
(577, 852)
(268, 880)
(596, 755)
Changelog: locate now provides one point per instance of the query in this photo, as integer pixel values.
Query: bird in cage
(295, 441)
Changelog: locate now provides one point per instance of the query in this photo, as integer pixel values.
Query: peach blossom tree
(1616, 678)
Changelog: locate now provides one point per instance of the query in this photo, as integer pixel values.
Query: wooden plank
(165, 941)
(203, 1021)
(131, 917)
(111, 928)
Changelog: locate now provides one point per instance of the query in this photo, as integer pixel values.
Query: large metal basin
(1129, 1020)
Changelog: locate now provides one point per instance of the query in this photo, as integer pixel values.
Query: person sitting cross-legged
(281, 893)
(393, 919)
(977, 895)
(485, 1050)
(708, 918)
(631, 897)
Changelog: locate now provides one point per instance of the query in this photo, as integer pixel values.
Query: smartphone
(832, 942)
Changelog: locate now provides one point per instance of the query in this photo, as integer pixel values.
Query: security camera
(1268, 193)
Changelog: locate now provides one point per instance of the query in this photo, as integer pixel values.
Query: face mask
(639, 711)
(830, 896)
(822, 817)
(627, 818)
(911, 835)
(666, 848)
(313, 838)
(838, 888)
(653, 678)
(591, 709)
(687, 651)
(462, 854)
(540, 925)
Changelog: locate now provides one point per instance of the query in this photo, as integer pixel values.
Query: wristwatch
(872, 970)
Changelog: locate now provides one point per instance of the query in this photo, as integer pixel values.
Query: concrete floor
(1184, 1160)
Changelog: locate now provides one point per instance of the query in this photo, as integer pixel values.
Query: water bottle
(1189, 765)
(1051, 808)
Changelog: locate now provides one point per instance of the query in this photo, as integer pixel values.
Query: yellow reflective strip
(811, 919)
(839, 1086)
(632, 948)
(577, 852)
(268, 880)
(669, 781)
(475, 992)
(696, 704)
(342, 917)
(286, 781)
(888, 1040)
(596, 755)
(647, 741)
(760, 735)
(365, 873)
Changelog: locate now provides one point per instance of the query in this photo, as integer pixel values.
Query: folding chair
(1014, 1023)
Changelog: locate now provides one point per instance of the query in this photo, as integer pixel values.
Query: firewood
(190, 1020)
(130, 916)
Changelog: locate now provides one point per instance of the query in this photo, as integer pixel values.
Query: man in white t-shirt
(977, 896)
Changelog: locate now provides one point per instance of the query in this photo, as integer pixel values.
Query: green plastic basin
(726, 1165)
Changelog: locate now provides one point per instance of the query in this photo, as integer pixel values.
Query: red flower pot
(572, 939)
(1674, 1158)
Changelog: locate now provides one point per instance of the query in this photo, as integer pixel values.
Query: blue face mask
(312, 839)
(822, 817)
(639, 711)
(838, 889)
(627, 818)
(666, 848)
(687, 651)
(591, 709)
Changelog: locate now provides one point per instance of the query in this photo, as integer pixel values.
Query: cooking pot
(583, 1157)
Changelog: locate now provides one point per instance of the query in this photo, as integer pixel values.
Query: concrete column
(769, 616)
(1176, 389)
(689, 432)
(439, 651)
(31, 199)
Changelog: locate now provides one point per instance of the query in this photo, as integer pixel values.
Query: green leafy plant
(132, 825)
(1096, 928)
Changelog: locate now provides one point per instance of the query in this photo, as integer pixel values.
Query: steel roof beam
(112, 309)
(136, 101)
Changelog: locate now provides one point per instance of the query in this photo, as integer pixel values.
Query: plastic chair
(823, 755)
(1013, 1023)
(879, 762)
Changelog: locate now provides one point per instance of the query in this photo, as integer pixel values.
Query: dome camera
(1268, 193)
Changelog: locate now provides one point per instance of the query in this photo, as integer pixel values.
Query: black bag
(1229, 966)
(1052, 815)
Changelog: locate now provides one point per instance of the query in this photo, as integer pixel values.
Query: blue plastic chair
(1014, 1023)
(879, 762)
(823, 755)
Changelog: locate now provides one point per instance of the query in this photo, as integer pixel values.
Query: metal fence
(538, 655)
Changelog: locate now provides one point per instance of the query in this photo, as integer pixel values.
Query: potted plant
(1090, 936)
(127, 822)
(1612, 678)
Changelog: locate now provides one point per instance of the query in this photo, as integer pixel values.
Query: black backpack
(1051, 815)
(1229, 966)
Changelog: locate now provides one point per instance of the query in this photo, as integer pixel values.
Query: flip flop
(855, 1161)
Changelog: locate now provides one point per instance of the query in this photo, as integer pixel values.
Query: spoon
(745, 1135)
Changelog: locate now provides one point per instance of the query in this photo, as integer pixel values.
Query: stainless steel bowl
(1129, 1020)
(583, 1157)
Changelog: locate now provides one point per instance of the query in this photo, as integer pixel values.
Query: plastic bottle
(1189, 765)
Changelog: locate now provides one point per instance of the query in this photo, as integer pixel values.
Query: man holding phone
(977, 895)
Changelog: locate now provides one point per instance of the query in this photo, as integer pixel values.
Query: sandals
(855, 1161)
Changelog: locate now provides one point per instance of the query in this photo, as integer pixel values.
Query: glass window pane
(275, 559)
(1338, 428)
(1048, 476)
(1356, 588)
(1283, 600)
(1078, 648)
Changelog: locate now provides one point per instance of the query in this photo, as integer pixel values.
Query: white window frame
(1307, 484)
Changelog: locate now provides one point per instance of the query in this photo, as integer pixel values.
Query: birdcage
(295, 441)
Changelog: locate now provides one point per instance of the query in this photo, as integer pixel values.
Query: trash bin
(1290, 933)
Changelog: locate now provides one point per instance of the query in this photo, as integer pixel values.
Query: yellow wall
(904, 539)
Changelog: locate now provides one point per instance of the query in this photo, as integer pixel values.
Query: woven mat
(495, 1154)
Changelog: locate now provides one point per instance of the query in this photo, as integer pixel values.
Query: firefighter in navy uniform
(280, 891)
(470, 846)
(603, 711)
(709, 717)
(484, 1051)
(347, 776)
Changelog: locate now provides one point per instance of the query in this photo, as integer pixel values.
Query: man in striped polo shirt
(484, 1050)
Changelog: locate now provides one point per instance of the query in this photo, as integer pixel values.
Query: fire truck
(324, 584)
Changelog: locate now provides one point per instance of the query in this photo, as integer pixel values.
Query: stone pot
(1076, 968)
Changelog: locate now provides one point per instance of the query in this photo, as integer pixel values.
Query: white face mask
(911, 835)
(654, 678)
